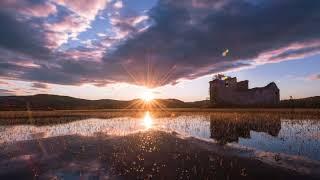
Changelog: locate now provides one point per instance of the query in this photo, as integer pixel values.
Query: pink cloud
(69, 27)
(42, 10)
(92, 55)
(69, 24)
(292, 51)
(124, 26)
(83, 8)
(58, 33)
(4, 83)
(30, 9)
(55, 39)
(133, 21)
(27, 64)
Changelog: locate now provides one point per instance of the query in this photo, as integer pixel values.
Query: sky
(117, 49)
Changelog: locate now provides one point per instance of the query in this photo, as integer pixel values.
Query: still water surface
(296, 137)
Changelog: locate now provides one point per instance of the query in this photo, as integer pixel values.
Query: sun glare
(147, 96)
(147, 120)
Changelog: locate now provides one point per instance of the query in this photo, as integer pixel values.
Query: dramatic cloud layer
(4, 92)
(58, 41)
(29, 8)
(39, 86)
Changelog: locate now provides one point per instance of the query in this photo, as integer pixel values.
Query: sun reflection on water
(147, 120)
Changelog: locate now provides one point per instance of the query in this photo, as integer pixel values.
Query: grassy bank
(63, 116)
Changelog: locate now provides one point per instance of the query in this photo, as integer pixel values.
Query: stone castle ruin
(227, 91)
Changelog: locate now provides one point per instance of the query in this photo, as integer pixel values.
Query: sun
(147, 95)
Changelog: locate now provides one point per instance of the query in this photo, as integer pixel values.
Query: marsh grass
(64, 116)
(124, 112)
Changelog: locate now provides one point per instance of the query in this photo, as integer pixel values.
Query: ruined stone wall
(230, 83)
(240, 94)
(243, 85)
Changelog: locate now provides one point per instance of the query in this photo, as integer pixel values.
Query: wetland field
(166, 144)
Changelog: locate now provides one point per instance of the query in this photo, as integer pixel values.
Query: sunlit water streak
(295, 137)
(147, 120)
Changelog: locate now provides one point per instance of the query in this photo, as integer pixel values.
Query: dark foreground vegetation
(54, 102)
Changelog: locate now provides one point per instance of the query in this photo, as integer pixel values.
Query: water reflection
(266, 133)
(225, 131)
(147, 155)
(147, 120)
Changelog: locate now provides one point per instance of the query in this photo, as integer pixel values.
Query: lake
(143, 146)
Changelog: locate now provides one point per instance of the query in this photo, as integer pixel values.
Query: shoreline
(110, 113)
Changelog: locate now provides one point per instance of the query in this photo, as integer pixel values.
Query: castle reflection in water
(225, 131)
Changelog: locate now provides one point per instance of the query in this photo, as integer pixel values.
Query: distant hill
(310, 102)
(55, 102)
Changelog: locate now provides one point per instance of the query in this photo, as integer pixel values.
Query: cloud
(40, 85)
(101, 35)
(93, 54)
(4, 92)
(68, 27)
(189, 37)
(175, 40)
(21, 37)
(293, 51)
(78, 19)
(29, 7)
(118, 4)
(83, 8)
(4, 83)
(128, 24)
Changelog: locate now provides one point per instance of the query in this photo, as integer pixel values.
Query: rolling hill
(55, 102)
(309, 102)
